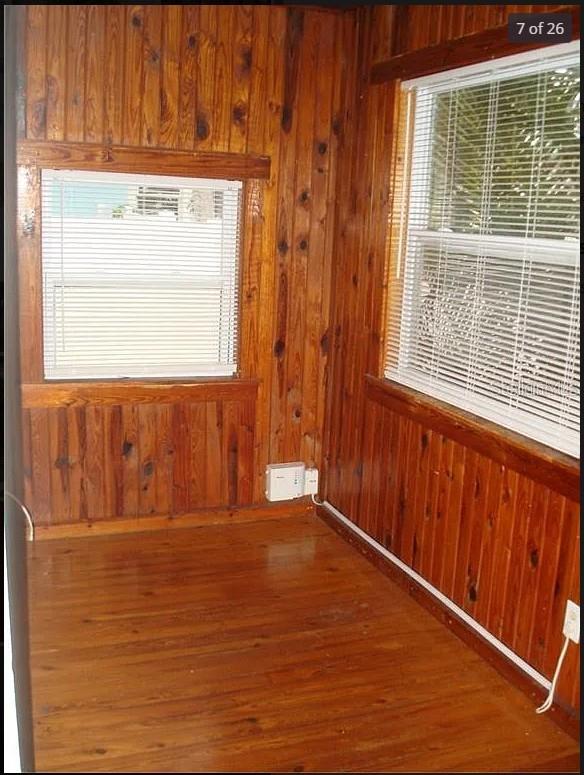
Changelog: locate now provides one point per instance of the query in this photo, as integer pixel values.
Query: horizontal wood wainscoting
(503, 546)
(97, 451)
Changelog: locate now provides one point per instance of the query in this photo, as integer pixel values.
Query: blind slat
(140, 275)
(484, 312)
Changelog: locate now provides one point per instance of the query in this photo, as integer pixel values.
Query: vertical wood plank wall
(292, 84)
(246, 79)
(503, 547)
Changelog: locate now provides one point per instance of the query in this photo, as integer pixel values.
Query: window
(140, 275)
(485, 285)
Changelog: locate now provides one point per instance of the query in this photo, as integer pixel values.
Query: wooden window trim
(471, 49)
(33, 156)
(47, 395)
(543, 464)
(147, 161)
(28, 234)
(553, 468)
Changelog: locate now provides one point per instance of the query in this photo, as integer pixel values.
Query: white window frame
(549, 251)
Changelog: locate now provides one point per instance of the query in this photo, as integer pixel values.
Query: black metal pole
(14, 519)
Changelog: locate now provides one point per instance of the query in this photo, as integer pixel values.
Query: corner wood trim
(200, 518)
(566, 718)
(49, 395)
(559, 472)
(467, 50)
(152, 161)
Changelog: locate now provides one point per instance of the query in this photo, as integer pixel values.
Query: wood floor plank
(267, 646)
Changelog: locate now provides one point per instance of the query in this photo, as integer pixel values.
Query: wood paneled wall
(137, 451)
(260, 80)
(502, 546)
(291, 84)
(418, 26)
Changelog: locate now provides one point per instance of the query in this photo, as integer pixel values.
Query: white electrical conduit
(27, 514)
(485, 634)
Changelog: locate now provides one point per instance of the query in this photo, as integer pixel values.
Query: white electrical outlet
(311, 481)
(572, 621)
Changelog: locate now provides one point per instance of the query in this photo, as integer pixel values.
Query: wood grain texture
(89, 156)
(492, 540)
(209, 91)
(94, 82)
(113, 64)
(358, 279)
(190, 39)
(56, 62)
(564, 716)
(77, 74)
(555, 469)
(151, 104)
(35, 91)
(288, 84)
(169, 76)
(421, 26)
(132, 102)
(483, 516)
(459, 51)
(135, 453)
(28, 236)
(88, 393)
(288, 653)
(202, 517)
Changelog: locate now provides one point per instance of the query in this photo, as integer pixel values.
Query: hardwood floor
(269, 646)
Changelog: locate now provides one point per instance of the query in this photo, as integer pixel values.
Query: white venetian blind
(485, 291)
(140, 275)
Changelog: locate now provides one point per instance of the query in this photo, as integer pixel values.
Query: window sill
(119, 391)
(556, 470)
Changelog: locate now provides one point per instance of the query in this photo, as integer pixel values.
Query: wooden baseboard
(200, 518)
(566, 718)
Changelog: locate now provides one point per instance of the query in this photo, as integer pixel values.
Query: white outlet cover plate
(572, 621)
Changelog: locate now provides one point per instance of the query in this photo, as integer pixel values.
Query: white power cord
(30, 532)
(547, 704)
(316, 501)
